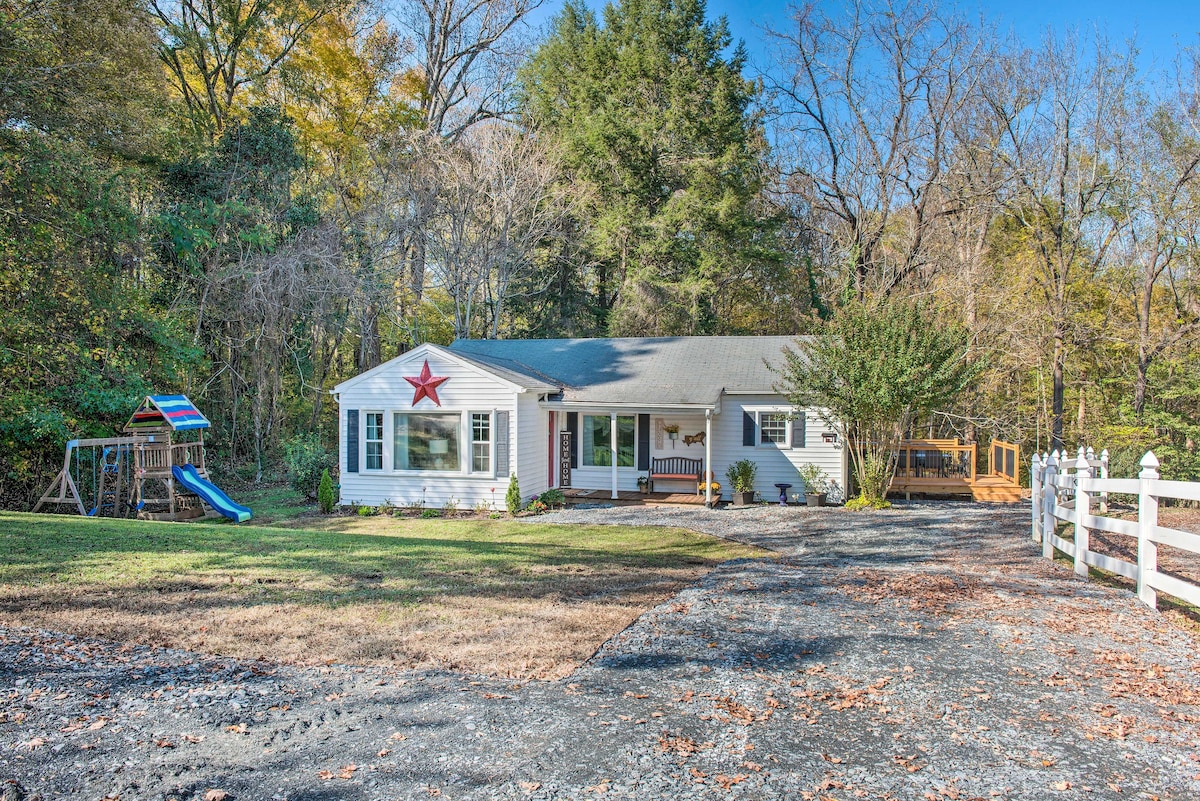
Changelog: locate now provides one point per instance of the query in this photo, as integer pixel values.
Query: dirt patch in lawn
(502, 599)
(542, 634)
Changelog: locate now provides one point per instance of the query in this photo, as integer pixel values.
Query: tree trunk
(1056, 402)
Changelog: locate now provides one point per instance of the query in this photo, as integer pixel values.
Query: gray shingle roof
(650, 370)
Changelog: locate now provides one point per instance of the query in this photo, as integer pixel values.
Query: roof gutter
(672, 407)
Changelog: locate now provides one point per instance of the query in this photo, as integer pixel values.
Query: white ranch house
(573, 413)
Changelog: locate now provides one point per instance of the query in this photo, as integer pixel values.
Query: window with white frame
(775, 427)
(426, 441)
(481, 442)
(597, 440)
(373, 438)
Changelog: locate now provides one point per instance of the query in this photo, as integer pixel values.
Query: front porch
(632, 498)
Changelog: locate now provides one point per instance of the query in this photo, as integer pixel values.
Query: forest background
(248, 201)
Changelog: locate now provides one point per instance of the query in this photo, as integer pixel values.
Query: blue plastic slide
(210, 493)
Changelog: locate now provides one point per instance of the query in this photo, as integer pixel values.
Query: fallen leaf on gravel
(433, 791)
(384, 752)
(529, 787)
(347, 771)
(216, 795)
(1063, 785)
(324, 775)
(98, 724)
(164, 743)
(192, 738)
(34, 743)
(833, 759)
(398, 736)
(727, 782)
(239, 728)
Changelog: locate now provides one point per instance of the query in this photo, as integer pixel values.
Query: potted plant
(741, 478)
(816, 484)
(643, 483)
(672, 430)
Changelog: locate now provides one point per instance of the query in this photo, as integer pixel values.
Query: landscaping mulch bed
(925, 652)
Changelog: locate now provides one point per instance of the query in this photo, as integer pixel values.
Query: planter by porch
(743, 498)
(815, 498)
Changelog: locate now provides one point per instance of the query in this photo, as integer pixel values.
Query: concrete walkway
(926, 652)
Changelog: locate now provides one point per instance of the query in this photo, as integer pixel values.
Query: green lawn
(521, 599)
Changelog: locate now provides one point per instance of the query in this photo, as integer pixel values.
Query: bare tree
(498, 201)
(466, 53)
(1064, 112)
(863, 107)
(1158, 234)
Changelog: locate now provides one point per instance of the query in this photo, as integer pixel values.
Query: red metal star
(426, 385)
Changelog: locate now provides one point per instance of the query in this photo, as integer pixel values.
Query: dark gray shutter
(573, 427)
(798, 429)
(352, 441)
(748, 430)
(502, 448)
(643, 432)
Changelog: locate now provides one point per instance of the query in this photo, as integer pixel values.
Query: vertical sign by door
(564, 458)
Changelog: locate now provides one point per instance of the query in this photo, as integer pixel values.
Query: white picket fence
(1068, 489)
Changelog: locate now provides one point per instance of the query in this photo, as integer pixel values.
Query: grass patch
(498, 597)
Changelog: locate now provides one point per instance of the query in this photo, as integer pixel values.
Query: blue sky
(1159, 26)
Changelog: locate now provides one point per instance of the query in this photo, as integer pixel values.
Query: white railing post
(1147, 525)
(1083, 508)
(1049, 503)
(1035, 496)
(1104, 474)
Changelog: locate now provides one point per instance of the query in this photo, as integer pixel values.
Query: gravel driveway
(921, 653)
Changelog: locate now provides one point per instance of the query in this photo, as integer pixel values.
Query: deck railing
(1003, 460)
(938, 461)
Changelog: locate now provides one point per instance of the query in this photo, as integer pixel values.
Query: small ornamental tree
(512, 498)
(874, 368)
(326, 497)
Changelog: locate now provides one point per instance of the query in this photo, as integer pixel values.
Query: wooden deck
(576, 496)
(947, 467)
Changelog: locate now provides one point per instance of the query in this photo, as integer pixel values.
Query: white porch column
(708, 498)
(612, 431)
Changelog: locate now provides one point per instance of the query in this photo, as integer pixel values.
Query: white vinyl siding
(468, 390)
(777, 463)
(530, 446)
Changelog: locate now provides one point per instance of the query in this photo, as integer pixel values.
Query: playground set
(155, 472)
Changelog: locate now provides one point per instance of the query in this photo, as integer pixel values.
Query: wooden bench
(677, 468)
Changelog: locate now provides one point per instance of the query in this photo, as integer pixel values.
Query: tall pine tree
(658, 132)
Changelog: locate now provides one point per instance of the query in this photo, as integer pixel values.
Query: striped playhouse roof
(158, 412)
